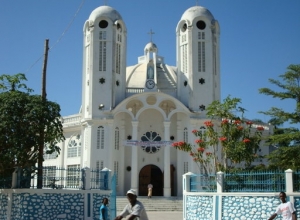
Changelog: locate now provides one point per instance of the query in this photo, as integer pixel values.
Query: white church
(124, 107)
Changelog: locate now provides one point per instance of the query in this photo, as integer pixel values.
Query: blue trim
(217, 208)
(89, 205)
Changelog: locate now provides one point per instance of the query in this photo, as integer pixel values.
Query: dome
(136, 76)
(105, 11)
(197, 11)
(151, 47)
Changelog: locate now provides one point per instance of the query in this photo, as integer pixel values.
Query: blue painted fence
(232, 197)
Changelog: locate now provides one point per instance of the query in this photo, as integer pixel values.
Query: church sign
(147, 143)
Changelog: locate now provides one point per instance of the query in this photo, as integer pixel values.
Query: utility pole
(42, 134)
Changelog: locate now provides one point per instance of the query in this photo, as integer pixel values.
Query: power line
(61, 36)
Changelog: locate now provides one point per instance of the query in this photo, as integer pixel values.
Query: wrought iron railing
(260, 181)
(296, 181)
(99, 179)
(56, 178)
(6, 178)
(203, 183)
(53, 178)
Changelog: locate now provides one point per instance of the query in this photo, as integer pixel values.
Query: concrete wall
(32, 204)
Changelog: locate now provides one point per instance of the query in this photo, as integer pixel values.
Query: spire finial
(105, 2)
(197, 2)
(151, 33)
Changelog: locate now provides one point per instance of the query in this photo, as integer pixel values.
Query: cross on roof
(197, 1)
(151, 33)
(105, 2)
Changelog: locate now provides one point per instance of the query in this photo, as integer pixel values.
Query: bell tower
(103, 82)
(104, 62)
(198, 58)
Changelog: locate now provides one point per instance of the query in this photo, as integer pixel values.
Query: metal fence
(6, 178)
(53, 177)
(296, 181)
(203, 183)
(262, 181)
(56, 178)
(99, 179)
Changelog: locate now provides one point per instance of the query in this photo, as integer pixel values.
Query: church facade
(130, 115)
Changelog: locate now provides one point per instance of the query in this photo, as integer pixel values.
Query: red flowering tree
(238, 139)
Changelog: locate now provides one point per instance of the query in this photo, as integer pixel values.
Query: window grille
(117, 138)
(49, 172)
(184, 58)
(101, 165)
(116, 170)
(102, 51)
(118, 57)
(185, 135)
(100, 137)
(201, 56)
(74, 146)
(73, 175)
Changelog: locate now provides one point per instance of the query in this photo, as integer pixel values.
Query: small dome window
(103, 24)
(184, 27)
(201, 25)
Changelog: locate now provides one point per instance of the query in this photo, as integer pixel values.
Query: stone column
(134, 158)
(167, 176)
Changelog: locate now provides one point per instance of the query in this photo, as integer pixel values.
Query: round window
(201, 25)
(103, 24)
(151, 136)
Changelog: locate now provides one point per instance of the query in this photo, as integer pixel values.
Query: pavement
(165, 215)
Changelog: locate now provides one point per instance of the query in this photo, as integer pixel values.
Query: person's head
(282, 197)
(105, 201)
(131, 196)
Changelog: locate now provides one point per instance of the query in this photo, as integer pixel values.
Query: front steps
(155, 204)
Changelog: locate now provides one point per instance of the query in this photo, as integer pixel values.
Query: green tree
(238, 137)
(285, 139)
(22, 117)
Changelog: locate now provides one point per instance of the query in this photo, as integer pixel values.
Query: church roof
(105, 11)
(136, 76)
(197, 11)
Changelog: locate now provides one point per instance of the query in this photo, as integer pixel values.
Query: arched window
(201, 51)
(117, 138)
(116, 170)
(49, 156)
(74, 146)
(185, 135)
(102, 51)
(100, 137)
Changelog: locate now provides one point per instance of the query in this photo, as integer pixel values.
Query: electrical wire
(61, 36)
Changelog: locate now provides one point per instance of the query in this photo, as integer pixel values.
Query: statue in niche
(150, 73)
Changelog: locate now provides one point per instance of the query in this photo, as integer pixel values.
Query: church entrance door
(151, 174)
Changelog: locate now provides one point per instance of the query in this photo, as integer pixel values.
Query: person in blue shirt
(104, 209)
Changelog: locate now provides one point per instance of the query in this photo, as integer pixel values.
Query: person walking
(134, 209)
(104, 210)
(150, 188)
(286, 209)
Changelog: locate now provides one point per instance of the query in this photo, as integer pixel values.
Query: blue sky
(259, 39)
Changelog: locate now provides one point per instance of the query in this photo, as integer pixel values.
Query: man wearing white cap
(135, 209)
